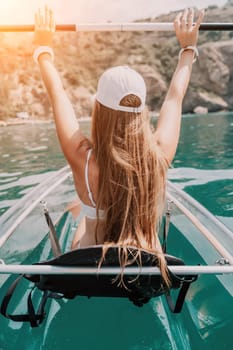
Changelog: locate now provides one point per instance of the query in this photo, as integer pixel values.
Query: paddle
(122, 27)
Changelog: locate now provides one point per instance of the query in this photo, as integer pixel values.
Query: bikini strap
(86, 178)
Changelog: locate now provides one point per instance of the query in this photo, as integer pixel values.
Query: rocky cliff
(82, 57)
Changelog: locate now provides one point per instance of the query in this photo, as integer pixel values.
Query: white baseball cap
(116, 83)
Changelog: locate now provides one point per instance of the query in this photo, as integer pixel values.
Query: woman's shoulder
(85, 162)
(86, 174)
(80, 153)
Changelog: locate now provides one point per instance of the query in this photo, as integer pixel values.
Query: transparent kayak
(195, 235)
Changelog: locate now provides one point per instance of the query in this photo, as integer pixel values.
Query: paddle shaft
(116, 27)
(134, 271)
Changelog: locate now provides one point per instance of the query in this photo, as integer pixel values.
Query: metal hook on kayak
(167, 224)
(52, 231)
(44, 205)
(222, 261)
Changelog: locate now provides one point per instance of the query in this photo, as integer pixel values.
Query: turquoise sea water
(203, 164)
(203, 167)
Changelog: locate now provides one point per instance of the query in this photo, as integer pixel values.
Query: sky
(76, 11)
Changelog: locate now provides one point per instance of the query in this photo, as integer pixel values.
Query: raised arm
(168, 127)
(67, 126)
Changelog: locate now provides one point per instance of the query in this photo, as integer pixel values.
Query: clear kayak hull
(99, 323)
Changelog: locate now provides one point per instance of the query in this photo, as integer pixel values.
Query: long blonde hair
(132, 176)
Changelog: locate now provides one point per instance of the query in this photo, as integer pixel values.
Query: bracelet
(193, 48)
(42, 49)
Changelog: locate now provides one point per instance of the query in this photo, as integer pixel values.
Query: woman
(120, 175)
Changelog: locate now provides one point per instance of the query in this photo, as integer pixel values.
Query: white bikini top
(87, 210)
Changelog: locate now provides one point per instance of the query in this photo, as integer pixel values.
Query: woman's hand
(186, 29)
(44, 27)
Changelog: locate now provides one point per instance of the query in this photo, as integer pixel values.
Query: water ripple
(193, 177)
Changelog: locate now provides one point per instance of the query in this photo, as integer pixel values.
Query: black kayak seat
(138, 289)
